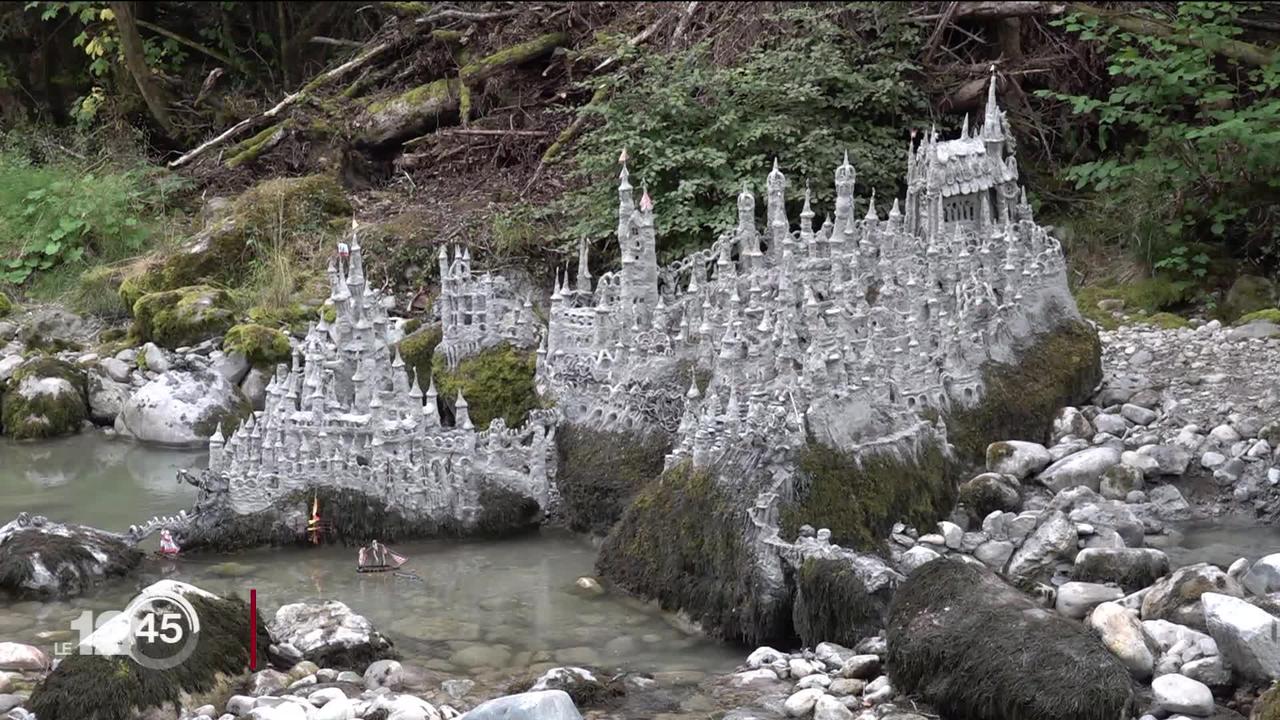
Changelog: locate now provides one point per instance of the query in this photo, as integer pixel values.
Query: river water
(501, 605)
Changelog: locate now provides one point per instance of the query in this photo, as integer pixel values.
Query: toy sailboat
(168, 547)
(378, 558)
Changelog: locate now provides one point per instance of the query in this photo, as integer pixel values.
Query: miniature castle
(478, 311)
(848, 332)
(345, 414)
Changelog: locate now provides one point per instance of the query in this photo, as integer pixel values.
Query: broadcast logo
(158, 630)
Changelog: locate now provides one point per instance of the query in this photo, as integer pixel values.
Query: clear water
(504, 605)
(1222, 543)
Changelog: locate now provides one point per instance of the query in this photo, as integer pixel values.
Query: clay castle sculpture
(849, 333)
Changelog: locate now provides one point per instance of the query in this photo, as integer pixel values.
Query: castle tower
(845, 178)
(584, 271)
(747, 237)
(777, 207)
(639, 255)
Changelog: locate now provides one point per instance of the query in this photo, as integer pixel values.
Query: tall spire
(992, 128)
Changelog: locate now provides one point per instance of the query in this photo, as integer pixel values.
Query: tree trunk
(135, 59)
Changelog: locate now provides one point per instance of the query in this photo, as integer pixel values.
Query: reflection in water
(513, 598)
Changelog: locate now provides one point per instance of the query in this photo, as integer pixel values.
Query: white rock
(1070, 422)
(1264, 576)
(17, 656)
(833, 654)
(1224, 434)
(765, 655)
(1053, 539)
(994, 553)
(544, 705)
(1017, 458)
(232, 366)
(336, 709)
(8, 364)
(754, 677)
(1137, 414)
(829, 708)
(801, 703)
(1146, 464)
(817, 680)
(1120, 631)
(861, 667)
(181, 409)
(1083, 468)
(1077, 599)
(117, 370)
(917, 556)
(800, 668)
(155, 358)
(951, 534)
(1248, 637)
(1176, 693)
(1212, 459)
(1110, 424)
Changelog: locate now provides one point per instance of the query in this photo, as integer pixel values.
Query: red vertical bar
(253, 629)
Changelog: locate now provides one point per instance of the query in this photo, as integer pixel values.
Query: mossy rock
(296, 317)
(186, 316)
(973, 647)
(498, 382)
(71, 558)
(1059, 368)
(681, 542)
(263, 346)
(417, 350)
(287, 210)
(860, 498)
(1249, 293)
(600, 471)
(1267, 706)
(100, 687)
(1168, 321)
(832, 604)
(46, 398)
(1149, 296)
(1265, 315)
(987, 493)
(6, 305)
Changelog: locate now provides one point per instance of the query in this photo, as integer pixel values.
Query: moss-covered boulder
(263, 346)
(44, 559)
(417, 349)
(599, 472)
(1265, 315)
(496, 383)
(114, 687)
(1061, 367)
(279, 212)
(6, 305)
(1249, 293)
(186, 316)
(833, 603)
(682, 541)
(860, 498)
(97, 293)
(987, 492)
(967, 643)
(294, 316)
(46, 398)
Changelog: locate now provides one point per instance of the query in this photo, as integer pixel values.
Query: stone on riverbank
(1130, 568)
(540, 705)
(1246, 636)
(1177, 598)
(330, 634)
(183, 408)
(114, 687)
(45, 559)
(1018, 458)
(183, 317)
(47, 398)
(960, 637)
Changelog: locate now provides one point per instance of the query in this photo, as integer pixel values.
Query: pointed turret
(584, 270)
(462, 413)
(992, 127)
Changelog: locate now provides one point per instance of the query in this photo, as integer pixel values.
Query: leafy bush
(1184, 135)
(838, 79)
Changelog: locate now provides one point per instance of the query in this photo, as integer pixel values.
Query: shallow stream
(502, 605)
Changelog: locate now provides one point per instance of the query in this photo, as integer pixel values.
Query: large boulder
(47, 559)
(1083, 468)
(1131, 568)
(1247, 636)
(330, 634)
(1176, 598)
(537, 705)
(106, 397)
(183, 408)
(1120, 630)
(47, 398)
(184, 316)
(967, 643)
(104, 681)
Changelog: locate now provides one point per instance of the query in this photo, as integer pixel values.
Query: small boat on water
(376, 557)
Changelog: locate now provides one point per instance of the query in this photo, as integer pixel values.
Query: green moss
(832, 604)
(1249, 293)
(1267, 315)
(417, 350)
(1168, 321)
(1267, 706)
(329, 313)
(496, 383)
(983, 494)
(44, 415)
(1061, 368)
(186, 316)
(263, 346)
(411, 326)
(484, 67)
(1148, 296)
(295, 316)
(251, 148)
(599, 472)
(859, 499)
(6, 305)
(965, 642)
(681, 542)
(425, 99)
(133, 287)
(116, 688)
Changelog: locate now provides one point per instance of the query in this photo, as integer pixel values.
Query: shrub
(830, 80)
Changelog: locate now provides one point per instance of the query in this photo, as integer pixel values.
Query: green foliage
(496, 383)
(417, 350)
(1186, 142)
(97, 293)
(1168, 321)
(55, 214)
(6, 305)
(263, 346)
(838, 79)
